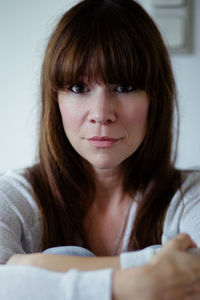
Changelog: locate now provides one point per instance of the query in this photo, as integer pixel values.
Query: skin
(105, 110)
(102, 111)
(170, 275)
(114, 111)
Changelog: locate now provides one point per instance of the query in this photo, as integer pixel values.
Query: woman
(105, 179)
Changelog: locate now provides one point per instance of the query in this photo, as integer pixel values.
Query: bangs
(102, 46)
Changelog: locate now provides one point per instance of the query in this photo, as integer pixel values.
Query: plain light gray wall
(24, 30)
(187, 72)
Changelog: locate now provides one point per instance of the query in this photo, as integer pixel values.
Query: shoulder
(16, 188)
(184, 209)
(17, 200)
(189, 189)
(190, 183)
(20, 220)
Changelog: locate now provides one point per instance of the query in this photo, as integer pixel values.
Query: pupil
(125, 88)
(79, 88)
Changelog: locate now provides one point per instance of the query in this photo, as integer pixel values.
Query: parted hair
(118, 42)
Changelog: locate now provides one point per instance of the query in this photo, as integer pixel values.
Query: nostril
(92, 121)
(103, 119)
(103, 122)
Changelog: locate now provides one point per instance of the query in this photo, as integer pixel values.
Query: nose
(102, 110)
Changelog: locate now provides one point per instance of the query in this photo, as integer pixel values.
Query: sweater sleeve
(190, 215)
(20, 232)
(22, 282)
(184, 210)
(139, 257)
(20, 227)
(183, 215)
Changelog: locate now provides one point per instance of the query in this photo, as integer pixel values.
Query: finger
(181, 242)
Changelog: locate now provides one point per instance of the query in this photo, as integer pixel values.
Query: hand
(181, 270)
(172, 274)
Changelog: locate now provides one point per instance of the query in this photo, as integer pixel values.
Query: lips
(103, 141)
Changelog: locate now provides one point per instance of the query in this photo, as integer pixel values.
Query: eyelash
(128, 88)
(77, 85)
(118, 89)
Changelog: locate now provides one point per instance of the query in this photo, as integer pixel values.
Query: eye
(125, 88)
(78, 88)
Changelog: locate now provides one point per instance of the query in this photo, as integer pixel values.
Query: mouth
(103, 141)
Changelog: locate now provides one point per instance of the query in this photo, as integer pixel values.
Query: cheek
(138, 116)
(141, 115)
(70, 118)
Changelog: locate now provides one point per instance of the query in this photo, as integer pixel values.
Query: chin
(105, 164)
(106, 161)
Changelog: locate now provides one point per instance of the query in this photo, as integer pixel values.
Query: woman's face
(105, 124)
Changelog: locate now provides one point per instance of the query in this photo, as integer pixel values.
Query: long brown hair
(117, 41)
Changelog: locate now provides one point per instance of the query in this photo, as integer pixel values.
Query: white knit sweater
(20, 232)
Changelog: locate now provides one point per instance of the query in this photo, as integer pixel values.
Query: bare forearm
(63, 263)
(171, 274)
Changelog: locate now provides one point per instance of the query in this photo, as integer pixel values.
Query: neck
(109, 188)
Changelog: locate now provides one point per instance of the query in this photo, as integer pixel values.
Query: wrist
(136, 283)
